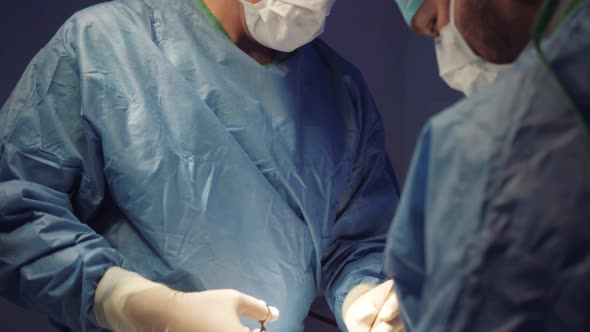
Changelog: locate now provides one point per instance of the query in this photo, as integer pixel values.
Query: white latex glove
(371, 308)
(127, 302)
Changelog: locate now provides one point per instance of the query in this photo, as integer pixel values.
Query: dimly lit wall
(399, 67)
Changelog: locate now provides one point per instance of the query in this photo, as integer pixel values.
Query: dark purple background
(399, 67)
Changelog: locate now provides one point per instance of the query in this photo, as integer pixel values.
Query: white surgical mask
(285, 25)
(458, 65)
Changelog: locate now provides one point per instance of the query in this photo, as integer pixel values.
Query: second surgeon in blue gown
(492, 231)
(142, 137)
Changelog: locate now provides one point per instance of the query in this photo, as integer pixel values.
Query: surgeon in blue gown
(154, 139)
(493, 228)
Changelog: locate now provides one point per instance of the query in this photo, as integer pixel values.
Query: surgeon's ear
(431, 17)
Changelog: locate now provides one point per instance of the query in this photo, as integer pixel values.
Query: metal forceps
(263, 322)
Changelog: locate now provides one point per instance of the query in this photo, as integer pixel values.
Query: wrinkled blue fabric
(409, 8)
(141, 137)
(492, 232)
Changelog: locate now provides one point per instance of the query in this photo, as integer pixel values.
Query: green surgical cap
(409, 8)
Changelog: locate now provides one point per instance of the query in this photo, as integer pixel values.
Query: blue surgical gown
(493, 229)
(142, 137)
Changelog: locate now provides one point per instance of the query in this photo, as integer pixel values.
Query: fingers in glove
(380, 293)
(383, 327)
(256, 309)
(393, 326)
(373, 313)
(364, 316)
(398, 324)
(390, 309)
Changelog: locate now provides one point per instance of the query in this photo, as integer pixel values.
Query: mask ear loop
(539, 28)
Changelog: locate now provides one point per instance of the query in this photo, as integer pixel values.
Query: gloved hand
(127, 302)
(371, 308)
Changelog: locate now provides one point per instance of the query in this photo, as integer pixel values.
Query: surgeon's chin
(501, 52)
(252, 47)
(495, 45)
(498, 30)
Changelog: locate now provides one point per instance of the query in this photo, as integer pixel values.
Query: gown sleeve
(357, 241)
(51, 185)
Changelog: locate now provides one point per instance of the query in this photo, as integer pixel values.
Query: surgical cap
(409, 8)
